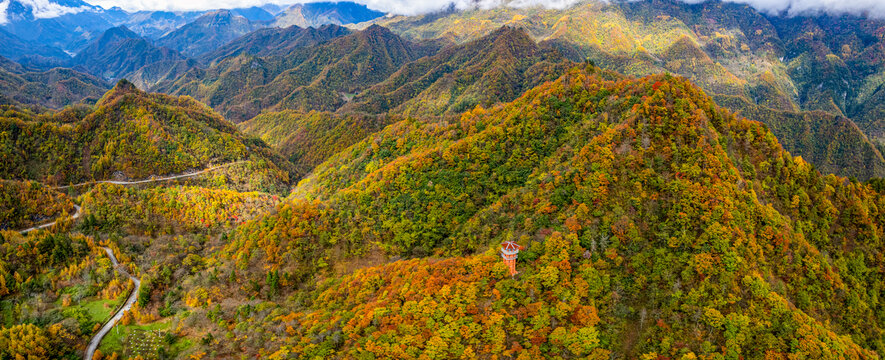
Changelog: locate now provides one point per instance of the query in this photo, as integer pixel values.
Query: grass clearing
(144, 340)
(99, 310)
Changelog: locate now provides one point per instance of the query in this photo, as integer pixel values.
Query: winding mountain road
(153, 179)
(75, 216)
(96, 340)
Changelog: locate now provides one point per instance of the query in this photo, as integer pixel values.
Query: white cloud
(402, 7)
(3, 6)
(41, 9)
(46, 8)
(798, 7)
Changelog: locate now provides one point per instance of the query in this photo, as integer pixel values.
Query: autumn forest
(325, 181)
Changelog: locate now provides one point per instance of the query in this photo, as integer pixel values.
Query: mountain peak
(119, 32)
(207, 33)
(124, 87)
(319, 13)
(217, 18)
(511, 34)
(377, 31)
(221, 13)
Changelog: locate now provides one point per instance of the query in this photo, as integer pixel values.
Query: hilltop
(207, 33)
(317, 77)
(53, 88)
(129, 133)
(795, 64)
(686, 181)
(648, 214)
(495, 68)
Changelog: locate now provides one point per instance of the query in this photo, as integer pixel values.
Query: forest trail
(152, 179)
(96, 340)
(75, 216)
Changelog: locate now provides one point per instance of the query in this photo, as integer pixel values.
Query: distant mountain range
(320, 13)
(121, 53)
(770, 64)
(684, 181)
(816, 81)
(208, 32)
(276, 41)
(316, 77)
(53, 88)
(63, 28)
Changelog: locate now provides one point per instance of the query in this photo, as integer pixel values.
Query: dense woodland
(356, 186)
(127, 134)
(27, 203)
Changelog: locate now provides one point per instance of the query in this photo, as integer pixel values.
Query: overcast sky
(47, 8)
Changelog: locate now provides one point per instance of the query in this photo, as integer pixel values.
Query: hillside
(311, 78)
(53, 88)
(802, 63)
(276, 41)
(495, 68)
(654, 223)
(307, 140)
(128, 134)
(315, 14)
(833, 143)
(120, 51)
(207, 33)
(25, 203)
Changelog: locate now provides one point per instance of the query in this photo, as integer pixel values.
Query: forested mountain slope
(495, 68)
(796, 64)
(276, 41)
(308, 139)
(26, 203)
(127, 132)
(53, 88)
(207, 33)
(311, 78)
(655, 224)
(833, 143)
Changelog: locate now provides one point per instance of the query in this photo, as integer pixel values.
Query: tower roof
(510, 246)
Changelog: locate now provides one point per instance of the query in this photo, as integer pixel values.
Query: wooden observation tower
(509, 252)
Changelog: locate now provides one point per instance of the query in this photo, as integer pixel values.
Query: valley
(684, 180)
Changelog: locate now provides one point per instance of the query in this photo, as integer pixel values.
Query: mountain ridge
(207, 33)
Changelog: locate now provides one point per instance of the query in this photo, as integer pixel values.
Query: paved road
(96, 340)
(76, 215)
(156, 179)
(173, 177)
